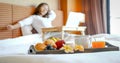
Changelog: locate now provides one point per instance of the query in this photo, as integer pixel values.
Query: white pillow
(26, 30)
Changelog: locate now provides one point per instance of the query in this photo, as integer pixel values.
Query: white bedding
(16, 51)
(19, 45)
(101, 57)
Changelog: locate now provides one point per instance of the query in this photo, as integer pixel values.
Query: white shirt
(38, 21)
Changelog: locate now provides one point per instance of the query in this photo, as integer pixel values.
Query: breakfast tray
(87, 50)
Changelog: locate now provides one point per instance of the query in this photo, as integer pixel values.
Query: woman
(42, 17)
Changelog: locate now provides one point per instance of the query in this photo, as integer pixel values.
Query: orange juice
(98, 44)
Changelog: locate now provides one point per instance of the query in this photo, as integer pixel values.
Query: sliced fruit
(54, 39)
(60, 43)
(67, 49)
(79, 48)
(57, 38)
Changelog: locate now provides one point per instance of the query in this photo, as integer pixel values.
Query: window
(115, 17)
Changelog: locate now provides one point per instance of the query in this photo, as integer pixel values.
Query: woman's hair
(38, 7)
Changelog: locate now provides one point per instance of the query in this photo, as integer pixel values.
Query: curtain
(96, 14)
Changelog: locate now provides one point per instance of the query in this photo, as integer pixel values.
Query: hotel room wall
(5, 19)
(10, 14)
(54, 4)
(70, 5)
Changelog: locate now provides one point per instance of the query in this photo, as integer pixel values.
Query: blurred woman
(42, 17)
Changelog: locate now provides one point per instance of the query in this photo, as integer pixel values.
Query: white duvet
(19, 45)
(100, 57)
(16, 51)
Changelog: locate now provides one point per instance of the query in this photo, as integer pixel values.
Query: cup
(98, 44)
(85, 41)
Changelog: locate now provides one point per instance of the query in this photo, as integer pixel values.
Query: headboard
(10, 14)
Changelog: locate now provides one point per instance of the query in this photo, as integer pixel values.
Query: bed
(16, 51)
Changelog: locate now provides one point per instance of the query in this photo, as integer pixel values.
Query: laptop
(74, 19)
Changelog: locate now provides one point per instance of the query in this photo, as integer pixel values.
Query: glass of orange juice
(98, 44)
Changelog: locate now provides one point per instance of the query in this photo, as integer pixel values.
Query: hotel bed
(16, 51)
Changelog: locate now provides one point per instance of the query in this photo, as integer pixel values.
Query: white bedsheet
(19, 45)
(16, 51)
(100, 57)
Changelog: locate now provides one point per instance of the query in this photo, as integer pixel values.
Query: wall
(75, 5)
(5, 15)
(64, 7)
(70, 5)
(54, 4)
(10, 14)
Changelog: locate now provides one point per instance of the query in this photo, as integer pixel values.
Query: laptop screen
(74, 19)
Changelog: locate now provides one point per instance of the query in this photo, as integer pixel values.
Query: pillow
(26, 30)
